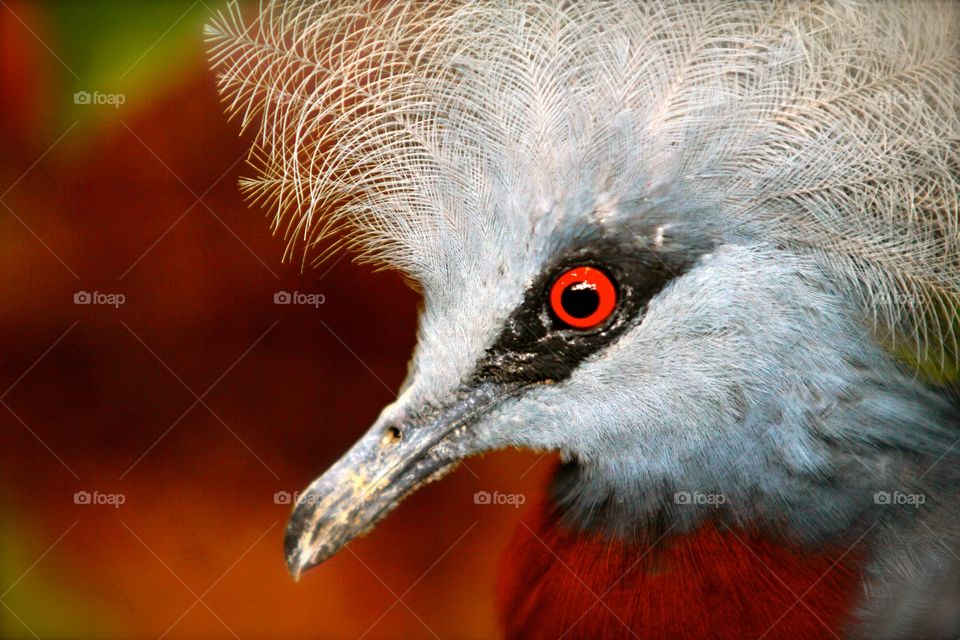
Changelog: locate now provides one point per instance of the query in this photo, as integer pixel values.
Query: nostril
(392, 435)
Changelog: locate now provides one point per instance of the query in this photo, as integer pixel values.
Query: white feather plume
(421, 128)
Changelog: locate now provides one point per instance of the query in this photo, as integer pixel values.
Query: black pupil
(580, 299)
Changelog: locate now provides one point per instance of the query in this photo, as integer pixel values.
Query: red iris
(583, 297)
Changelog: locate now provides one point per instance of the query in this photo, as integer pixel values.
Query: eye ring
(583, 297)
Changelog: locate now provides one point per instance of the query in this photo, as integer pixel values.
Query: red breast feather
(711, 584)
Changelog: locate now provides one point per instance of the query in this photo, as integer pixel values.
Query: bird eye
(583, 297)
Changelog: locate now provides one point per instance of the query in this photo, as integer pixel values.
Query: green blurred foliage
(134, 48)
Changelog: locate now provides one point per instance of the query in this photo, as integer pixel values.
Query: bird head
(678, 243)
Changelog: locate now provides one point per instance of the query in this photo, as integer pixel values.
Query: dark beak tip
(294, 571)
(299, 556)
(298, 564)
(292, 551)
(291, 544)
(293, 565)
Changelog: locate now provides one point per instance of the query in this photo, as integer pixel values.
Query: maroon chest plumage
(711, 584)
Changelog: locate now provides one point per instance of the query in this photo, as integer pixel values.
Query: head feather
(422, 129)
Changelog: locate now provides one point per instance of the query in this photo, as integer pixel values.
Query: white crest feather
(832, 128)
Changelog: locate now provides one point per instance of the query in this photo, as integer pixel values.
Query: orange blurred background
(193, 399)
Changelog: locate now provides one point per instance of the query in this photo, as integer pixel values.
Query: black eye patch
(536, 345)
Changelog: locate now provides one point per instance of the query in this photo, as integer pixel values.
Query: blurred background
(157, 408)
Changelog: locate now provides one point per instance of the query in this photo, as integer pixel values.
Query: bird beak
(393, 459)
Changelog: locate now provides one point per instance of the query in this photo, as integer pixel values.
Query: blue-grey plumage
(774, 188)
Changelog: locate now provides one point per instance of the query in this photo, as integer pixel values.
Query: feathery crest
(423, 127)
